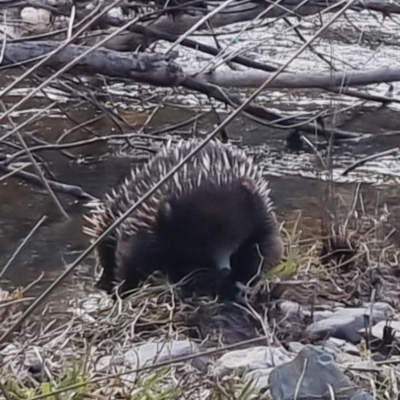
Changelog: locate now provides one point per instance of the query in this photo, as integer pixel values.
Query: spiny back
(215, 164)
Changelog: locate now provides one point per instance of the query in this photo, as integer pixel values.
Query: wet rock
(151, 353)
(311, 375)
(256, 358)
(346, 323)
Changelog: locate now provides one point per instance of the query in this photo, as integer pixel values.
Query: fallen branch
(331, 80)
(160, 70)
(153, 69)
(71, 190)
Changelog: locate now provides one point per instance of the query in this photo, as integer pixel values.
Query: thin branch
(71, 190)
(390, 152)
(38, 170)
(21, 246)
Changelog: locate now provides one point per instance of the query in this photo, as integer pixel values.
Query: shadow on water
(292, 176)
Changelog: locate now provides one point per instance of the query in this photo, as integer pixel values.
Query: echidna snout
(222, 259)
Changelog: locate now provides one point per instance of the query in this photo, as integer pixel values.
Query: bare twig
(39, 171)
(23, 243)
(390, 152)
(71, 190)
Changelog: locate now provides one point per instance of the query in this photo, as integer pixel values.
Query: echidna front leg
(106, 253)
(246, 263)
(134, 257)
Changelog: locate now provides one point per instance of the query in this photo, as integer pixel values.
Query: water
(297, 179)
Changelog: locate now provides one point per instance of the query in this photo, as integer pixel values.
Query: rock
(342, 346)
(151, 353)
(104, 363)
(345, 359)
(33, 358)
(311, 375)
(346, 323)
(291, 307)
(259, 378)
(378, 329)
(295, 347)
(362, 396)
(37, 20)
(255, 358)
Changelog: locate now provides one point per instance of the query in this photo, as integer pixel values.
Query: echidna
(213, 218)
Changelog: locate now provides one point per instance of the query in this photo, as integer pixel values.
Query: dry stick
(389, 152)
(226, 121)
(71, 190)
(78, 127)
(68, 145)
(20, 247)
(39, 171)
(14, 171)
(28, 121)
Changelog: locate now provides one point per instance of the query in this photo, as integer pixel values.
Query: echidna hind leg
(106, 253)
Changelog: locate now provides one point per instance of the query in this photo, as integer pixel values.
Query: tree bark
(330, 80)
(160, 70)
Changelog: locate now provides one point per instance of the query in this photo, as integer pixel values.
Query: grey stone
(295, 347)
(378, 329)
(105, 362)
(255, 358)
(319, 315)
(346, 359)
(259, 378)
(334, 346)
(362, 396)
(156, 352)
(340, 346)
(346, 323)
(310, 375)
(292, 308)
